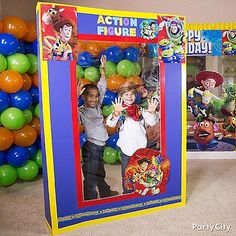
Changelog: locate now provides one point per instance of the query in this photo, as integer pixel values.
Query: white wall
(196, 11)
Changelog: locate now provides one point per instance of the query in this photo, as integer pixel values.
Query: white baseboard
(211, 155)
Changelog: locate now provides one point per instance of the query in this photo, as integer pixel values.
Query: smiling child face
(129, 97)
(91, 98)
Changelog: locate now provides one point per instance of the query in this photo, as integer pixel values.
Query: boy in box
(132, 133)
(90, 116)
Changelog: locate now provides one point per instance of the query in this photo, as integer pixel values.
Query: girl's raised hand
(118, 107)
(152, 105)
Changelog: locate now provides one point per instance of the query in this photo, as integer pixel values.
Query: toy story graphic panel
(59, 32)
(171, 39)
(115, 150)
(211, 83)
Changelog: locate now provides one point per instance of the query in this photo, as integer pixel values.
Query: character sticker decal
(147, 172)
(149, 29)
(171, 39)
(59, 32)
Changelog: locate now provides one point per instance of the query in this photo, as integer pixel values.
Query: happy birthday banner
(211, 42)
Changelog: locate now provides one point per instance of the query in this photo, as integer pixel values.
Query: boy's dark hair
(144, 160)
(88, 87)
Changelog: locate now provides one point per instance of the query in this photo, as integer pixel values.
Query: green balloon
(137, 68)
(8, 175)
(37, 111)
(126, 68)
(79, 72)
(33, 63)
(13, 118)
(28, 116)
(119, 156)
(107, 110)
(28, 171)
(110, 68)
(192, 70)
(92, 74)
(110, 155)
(18, 62)
(38, 158)
(3, 63)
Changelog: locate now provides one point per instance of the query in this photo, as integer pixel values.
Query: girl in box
(132, 133)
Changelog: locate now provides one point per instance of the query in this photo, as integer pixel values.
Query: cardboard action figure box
(112, 90)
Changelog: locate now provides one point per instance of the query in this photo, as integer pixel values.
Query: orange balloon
(79, 47)
(35, 123)
(25, 136)
(14, 25)
(31, 35)
(27, 82)
(35, 80)
(84, 81)
(11, 81)
(93, 48)
(1, 27)
(135, 79)
(110, 130)
(115, 81)
(81, 128)
(6, 138)
(104, 45)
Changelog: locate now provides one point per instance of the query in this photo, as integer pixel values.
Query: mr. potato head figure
(204, 134)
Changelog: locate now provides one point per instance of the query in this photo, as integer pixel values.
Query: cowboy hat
(205, 74)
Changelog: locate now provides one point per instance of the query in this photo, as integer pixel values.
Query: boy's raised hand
(103, 64)
(152, 105)
(80, 88)
(118, 107)
(103, 61)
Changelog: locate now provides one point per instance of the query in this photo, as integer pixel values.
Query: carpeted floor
(211, 197)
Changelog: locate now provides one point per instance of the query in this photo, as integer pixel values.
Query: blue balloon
(82, 138)
(38, 143)
(114, 54)
(138, 98)
(8, 44)
(4, 100)
(131, 54)
(112, 140)
(21, 47)
(32, 150)
(34, 47)
(109, 97)
(17, 156)
(85, 59)
(28, 47)
(21, 100)
(80, 101)
(152, 49)
(2, 158)
(34, 91)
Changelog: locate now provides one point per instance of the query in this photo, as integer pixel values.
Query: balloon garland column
(20, 154)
